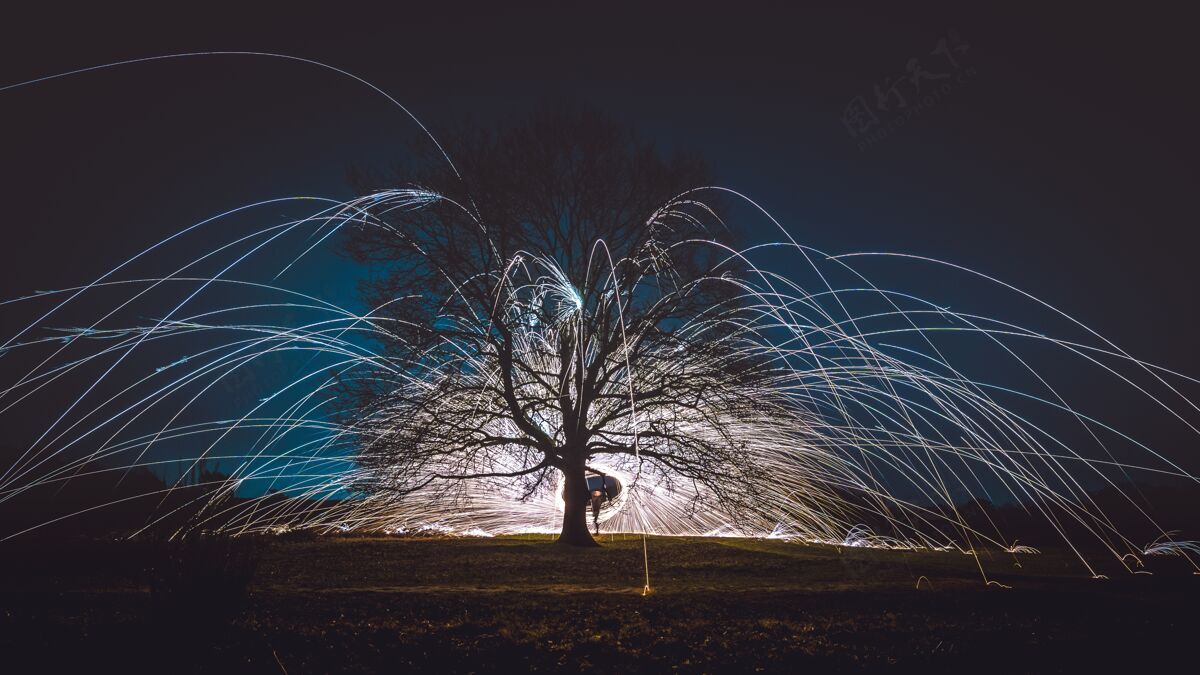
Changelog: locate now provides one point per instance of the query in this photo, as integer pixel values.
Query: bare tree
(550, 300)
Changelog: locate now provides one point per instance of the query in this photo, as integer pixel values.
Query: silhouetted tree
(548, 302)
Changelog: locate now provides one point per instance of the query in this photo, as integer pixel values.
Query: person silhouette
(599, 496)
(597, 501)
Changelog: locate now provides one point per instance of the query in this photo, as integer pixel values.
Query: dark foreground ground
(512, 605)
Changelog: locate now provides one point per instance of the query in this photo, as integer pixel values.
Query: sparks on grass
(861, 418)
(1164, 545)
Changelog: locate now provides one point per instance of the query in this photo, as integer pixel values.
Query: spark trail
(864, 430)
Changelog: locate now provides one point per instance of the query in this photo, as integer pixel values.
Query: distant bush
(296, 535)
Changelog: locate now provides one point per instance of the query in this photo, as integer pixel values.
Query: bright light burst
(864, 418)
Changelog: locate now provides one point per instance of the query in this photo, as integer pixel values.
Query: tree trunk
(575, 514)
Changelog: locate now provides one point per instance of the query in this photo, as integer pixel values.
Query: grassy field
(353, 604)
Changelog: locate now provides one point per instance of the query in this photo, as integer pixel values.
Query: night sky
(1065, 164)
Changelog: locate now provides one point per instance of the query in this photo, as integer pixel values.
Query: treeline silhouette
(117, 504)
(111, 503)
(1140, 512)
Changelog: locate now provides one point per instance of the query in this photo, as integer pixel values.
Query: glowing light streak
(853, 427)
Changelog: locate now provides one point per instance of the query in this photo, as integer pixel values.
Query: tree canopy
(551, 299)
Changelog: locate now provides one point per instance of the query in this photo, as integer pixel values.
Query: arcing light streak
(846, 430)
(1165, 546)
(850, 429)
